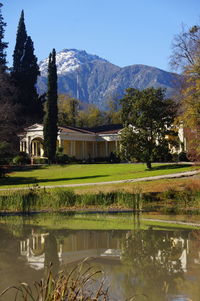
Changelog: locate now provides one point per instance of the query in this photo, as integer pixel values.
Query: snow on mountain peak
(68, 60)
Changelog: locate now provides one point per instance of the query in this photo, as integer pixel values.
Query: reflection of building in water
(33, 249)
(82, 244)
(102, 245)
(75, 247)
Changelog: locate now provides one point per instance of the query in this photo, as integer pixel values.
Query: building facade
(76, 142)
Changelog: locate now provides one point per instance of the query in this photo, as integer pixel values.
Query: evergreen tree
(51, 115)
(3, 45)
(19, 46)
(25, 72)
(8, 117)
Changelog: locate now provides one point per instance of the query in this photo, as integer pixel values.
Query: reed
(38, 199)
(79, 285)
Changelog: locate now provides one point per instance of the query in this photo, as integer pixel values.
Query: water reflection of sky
(162, 264)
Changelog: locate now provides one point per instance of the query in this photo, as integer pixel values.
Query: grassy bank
(86, 173)
(38, 199)
(184, 200)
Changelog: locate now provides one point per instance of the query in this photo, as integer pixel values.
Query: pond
(153, 260)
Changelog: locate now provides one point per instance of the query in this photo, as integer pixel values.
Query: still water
(160, 262)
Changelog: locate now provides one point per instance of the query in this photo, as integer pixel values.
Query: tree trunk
(148, 163)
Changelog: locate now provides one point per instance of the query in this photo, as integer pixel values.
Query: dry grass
(192, 183)
(79, 285)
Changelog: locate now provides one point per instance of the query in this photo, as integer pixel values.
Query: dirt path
(170, 176)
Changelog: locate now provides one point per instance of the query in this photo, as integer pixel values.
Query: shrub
(183, 157)
(114, 158)
(175, 157)
(5, 160)
(21, 158)
(18, 160)
(62, 158)
(39, 160)
(2, 172)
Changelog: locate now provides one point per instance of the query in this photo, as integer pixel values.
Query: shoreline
(113, 211)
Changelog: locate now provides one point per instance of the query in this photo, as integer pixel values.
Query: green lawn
(86, 173)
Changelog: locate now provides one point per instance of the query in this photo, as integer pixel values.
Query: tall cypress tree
(3, 45)
(25, 72)
(19, 46)
(51, 115)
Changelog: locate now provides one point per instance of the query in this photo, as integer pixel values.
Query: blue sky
(125, 32)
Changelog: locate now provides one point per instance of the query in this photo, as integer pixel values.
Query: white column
(34, 242)
(59, 142)
(42, 150)
(29, 146)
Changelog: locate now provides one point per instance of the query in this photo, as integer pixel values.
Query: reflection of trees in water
(153, 262)
(15, 225)
(51, 253)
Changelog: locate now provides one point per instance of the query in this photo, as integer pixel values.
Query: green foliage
(21, 158)
(2, 172)
(40, 160)
(20, 42)
(114, 158)
(185, 57)
(51, 114)
(36, 198)
(68, 109)
(60, 157)
(8, 116)
(183, 157)
(147, 117)
(113, 112)
(71, 112)
(24, 73)
(3, 45)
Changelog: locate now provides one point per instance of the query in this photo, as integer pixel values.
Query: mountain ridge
(95, 80)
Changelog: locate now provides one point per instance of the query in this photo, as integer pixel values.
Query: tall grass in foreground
(78, 285)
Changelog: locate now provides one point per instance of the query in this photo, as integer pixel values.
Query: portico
(76, 142)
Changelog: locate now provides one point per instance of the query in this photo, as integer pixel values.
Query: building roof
(70, 129)
(107, 129)
(104, 129)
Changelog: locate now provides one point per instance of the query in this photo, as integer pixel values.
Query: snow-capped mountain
(68, 60)
(93, 79)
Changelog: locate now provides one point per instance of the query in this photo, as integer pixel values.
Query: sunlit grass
(87, 173)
